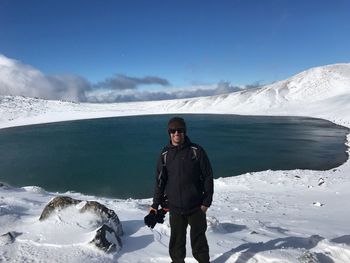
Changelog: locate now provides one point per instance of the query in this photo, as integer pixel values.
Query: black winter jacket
(186, 178)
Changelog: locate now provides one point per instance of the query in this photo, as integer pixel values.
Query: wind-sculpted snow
(268, 216)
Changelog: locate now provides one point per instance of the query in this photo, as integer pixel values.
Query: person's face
(177, 136)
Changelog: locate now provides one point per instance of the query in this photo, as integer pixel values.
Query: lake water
(116, 157)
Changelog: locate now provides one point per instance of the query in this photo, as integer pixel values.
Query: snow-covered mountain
(269, 216)
(315, 92)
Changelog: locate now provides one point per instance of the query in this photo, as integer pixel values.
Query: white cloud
(20, 79)
(17, 78)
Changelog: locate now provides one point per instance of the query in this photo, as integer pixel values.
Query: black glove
(151, 219)
(160, 215)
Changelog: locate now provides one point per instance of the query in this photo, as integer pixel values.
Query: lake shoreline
(50, 121)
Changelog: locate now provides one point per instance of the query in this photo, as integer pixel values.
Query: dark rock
(9, 237)
(307, 257)
(110, 228)
(108, 215)
(57, 203)
(5, 185)
(320, 181)
(107, 239)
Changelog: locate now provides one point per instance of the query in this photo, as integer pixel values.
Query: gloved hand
(160, 215)
(150, 219)
(155, 217)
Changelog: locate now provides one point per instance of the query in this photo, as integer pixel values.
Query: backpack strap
(162, 176)
(194, 151)
(164, 155)
(195, 157)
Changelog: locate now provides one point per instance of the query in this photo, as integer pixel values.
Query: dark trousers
(199, 244)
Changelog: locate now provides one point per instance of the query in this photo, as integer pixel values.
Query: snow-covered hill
(318, 92)
(269, 216)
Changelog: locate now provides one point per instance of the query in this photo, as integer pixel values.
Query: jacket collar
(186, 143)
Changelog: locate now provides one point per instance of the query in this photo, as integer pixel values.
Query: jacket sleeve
(159, 184)
(207, 177)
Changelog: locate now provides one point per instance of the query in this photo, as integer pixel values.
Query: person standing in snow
(185, 177)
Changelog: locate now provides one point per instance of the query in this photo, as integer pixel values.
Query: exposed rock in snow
(107, 239)
(109, 228)
(8, 238)
(108, 216)
(57, 204)
(320, 181)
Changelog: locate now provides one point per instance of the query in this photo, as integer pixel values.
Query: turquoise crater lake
(116, 157)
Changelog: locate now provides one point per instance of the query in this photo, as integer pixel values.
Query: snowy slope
(269, 216)
(315, 91)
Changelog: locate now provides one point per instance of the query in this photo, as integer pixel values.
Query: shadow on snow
(249, 250)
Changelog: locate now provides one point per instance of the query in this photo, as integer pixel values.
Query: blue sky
(184, 42)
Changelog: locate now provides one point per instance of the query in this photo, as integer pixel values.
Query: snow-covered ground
(269, 216)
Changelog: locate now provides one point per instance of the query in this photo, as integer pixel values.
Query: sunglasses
(174, 130)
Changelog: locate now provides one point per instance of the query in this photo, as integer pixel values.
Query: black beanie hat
(176, 122)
